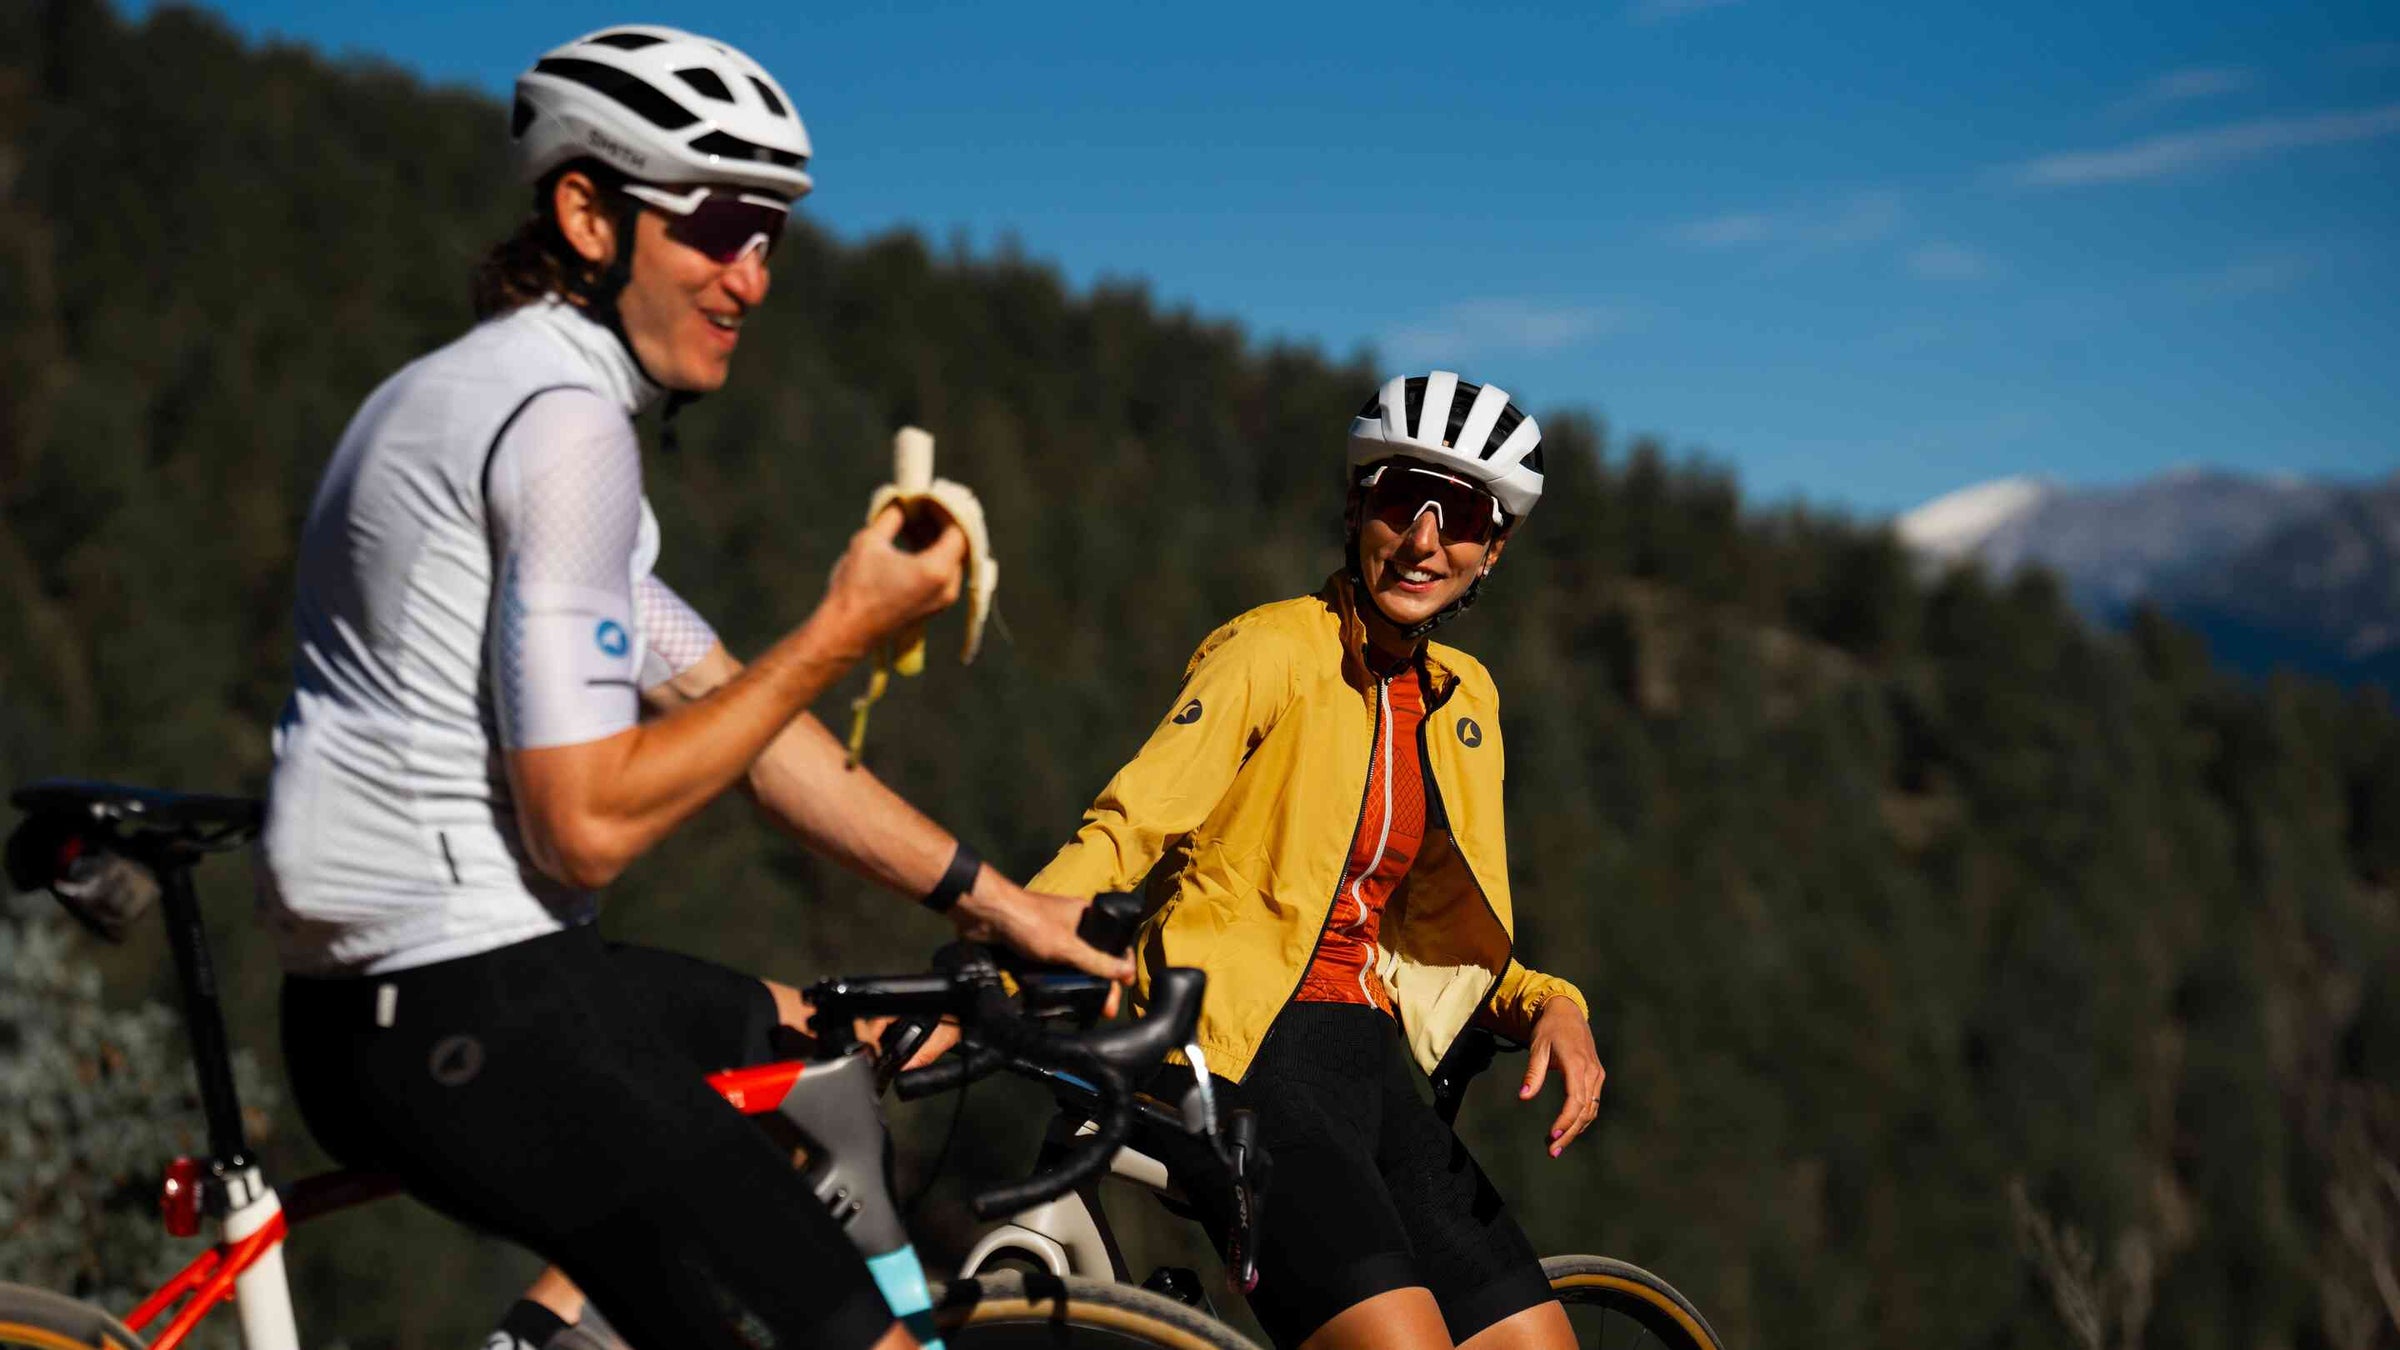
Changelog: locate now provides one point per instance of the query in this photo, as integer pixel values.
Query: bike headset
(655, 105)
(1457, 427)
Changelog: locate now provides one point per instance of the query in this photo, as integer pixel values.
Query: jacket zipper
(1508, 940)
(1339, 877)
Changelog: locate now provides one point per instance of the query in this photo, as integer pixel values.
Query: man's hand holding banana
(905, 510)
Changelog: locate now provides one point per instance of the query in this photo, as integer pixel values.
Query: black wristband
(957, 881)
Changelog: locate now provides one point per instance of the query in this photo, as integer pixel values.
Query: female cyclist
(499, 706)
(1327, 784)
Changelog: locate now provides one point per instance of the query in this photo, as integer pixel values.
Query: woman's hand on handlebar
(1037, 925)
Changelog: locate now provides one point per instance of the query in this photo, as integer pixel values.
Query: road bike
(1611, 1303)
(111, 852)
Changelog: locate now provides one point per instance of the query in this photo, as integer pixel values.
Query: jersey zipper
(1341, 876)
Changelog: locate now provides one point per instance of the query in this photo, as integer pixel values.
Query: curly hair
(536, 260)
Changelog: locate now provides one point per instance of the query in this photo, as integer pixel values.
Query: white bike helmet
(1459, 427)
(662, 106)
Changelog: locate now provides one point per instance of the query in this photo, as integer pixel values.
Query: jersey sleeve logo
(1189, 714)
(612, 637)
(1469, 734)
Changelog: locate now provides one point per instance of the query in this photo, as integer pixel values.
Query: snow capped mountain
(2275, 571)
(1948, 527)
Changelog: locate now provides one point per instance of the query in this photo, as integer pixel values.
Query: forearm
(806, 785)
(613, 799)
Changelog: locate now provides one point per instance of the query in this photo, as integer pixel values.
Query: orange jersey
(1390, 830)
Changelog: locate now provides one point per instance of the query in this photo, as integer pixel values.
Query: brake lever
(953, 1071)
(1251, 1167)
(901, 1041)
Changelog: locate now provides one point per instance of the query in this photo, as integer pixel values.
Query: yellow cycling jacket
(1252, 787)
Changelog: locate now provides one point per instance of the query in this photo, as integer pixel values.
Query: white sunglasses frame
(685, 203)
(1440, 524)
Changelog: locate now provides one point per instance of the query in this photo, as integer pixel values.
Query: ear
(1491, 555)
(583, 217)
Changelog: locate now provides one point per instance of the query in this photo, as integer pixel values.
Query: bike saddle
(201, 818)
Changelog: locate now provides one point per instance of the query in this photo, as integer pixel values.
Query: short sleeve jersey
(475, 576)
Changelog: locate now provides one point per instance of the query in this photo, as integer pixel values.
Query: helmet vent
(726, 146)
(767, 96)
(628, 42)
(1509, 417)
(653, 106)
(705, 80)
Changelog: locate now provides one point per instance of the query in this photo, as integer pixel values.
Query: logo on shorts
(455, 1060)
(612, 638)
(1469, 734)
(1189, 714)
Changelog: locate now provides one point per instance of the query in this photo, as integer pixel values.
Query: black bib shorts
(1371, 1192)
(552, 1092)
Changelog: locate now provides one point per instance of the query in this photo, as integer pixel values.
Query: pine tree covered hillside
(1964, 978)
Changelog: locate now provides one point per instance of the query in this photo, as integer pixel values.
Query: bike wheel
(1013, 1310)
(1616, 1306)
(36, 1319)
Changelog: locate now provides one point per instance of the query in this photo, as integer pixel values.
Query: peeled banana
(916, 491)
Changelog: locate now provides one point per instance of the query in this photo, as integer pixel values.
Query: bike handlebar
(999, 1030)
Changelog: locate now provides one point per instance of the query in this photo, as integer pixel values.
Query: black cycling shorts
(1371, 1192)
(553, 1092)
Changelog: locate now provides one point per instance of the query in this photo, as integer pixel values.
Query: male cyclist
(499, 706)
(1327, 785)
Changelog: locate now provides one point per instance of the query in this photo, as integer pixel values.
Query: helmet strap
(598, 293)
(598, 296)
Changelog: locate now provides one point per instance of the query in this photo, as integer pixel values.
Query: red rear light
(179, 1197)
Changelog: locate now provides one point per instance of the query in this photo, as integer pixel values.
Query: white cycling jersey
(475, 575)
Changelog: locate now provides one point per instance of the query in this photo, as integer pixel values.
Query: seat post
(203, 1015)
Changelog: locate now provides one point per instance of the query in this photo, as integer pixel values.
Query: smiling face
(1412, 574)
(682, 310)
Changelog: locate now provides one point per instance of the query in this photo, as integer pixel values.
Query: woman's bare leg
(1399, 1319)
(1543, 1326)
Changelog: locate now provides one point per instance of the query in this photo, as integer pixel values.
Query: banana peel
(930, 500)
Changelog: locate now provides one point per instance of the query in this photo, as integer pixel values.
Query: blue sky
(1863, 253)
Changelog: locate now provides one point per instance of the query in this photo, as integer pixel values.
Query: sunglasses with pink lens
(1462, 512)
(722, 223)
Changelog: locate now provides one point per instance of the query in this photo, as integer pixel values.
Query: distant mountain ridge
(2275, 572)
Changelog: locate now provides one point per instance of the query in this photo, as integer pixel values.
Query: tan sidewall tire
(40, 1320)
(1012, 1298)
(1620, 1284)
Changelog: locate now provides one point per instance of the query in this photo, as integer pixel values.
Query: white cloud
(2187, 85)
(2254, 276)
(2186, 152)
(1739, 227)
(1944, 261)
(1660, 11)
(1861, 218)
(1501, 325)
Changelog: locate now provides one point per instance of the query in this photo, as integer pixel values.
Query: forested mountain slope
(1919, 921)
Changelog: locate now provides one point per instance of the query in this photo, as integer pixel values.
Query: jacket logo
(1189, 714)
(612, 638)
(1469, 734)
(455, 1060)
